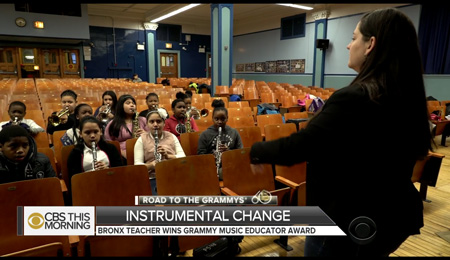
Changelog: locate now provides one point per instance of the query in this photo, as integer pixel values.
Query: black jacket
(35, 166)
(354, 167)
(75, 160)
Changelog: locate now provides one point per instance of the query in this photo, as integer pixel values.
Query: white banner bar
(219, 231)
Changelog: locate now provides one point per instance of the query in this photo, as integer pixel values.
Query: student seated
(126, 123)
(17, 111)
(213, 142)
(19, 159)
(168, 146)
(66, 121)
(72, 135)
(81, 157)
(165, 82)
(152, 101)
(176, 124)
(136, 78)
(187, 98)
(105, 112)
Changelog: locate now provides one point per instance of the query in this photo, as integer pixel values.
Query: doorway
(8, 63)
(50, 60)
(71, 63)
(33, 62)
(29, 62)
(168, 64)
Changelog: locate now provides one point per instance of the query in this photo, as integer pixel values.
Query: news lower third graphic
(256, 215)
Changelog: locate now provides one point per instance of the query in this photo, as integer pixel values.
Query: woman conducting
(356, 173)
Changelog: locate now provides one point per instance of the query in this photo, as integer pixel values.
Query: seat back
(268, 97)
(65, 152)
(204, 122)
(41, 140)
(238, 104)
(238, 176)
(37, 192)
(37, 116)
(130, 150)
(50, 154)
(58, 145)
(249, 135)
(192, 175)
(295, 115)
(241, 121)
(270, 119)
(296, 172)
(100, 188)
(279, 130)
(240, 111)
(189, 142)
(116, 144)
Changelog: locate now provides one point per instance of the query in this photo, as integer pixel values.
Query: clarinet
(94, 155)
(135, 124)
(16, 122)
(157, 155)
(218, 154)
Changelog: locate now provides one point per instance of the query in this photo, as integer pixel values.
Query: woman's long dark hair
(119, 116)
(392, 72)
(114, 99)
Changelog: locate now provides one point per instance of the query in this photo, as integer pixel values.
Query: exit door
(71, 63)
(50, 61)
(8, 63)
(169, 65)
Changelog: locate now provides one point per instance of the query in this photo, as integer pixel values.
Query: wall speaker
(322, 43)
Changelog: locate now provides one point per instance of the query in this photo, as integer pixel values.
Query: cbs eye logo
(262, 197)
(35, 221)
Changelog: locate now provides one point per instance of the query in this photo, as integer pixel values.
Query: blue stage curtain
(434, 38)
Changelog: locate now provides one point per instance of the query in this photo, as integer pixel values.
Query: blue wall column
(151, 36)
(151, 57)
(221, 45)
(319, 54)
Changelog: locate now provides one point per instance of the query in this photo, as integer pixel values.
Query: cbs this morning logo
(58, 221)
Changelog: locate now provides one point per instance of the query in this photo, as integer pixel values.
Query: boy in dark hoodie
(19, 159)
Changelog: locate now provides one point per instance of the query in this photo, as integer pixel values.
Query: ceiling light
(297, 6)
(187, 7)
